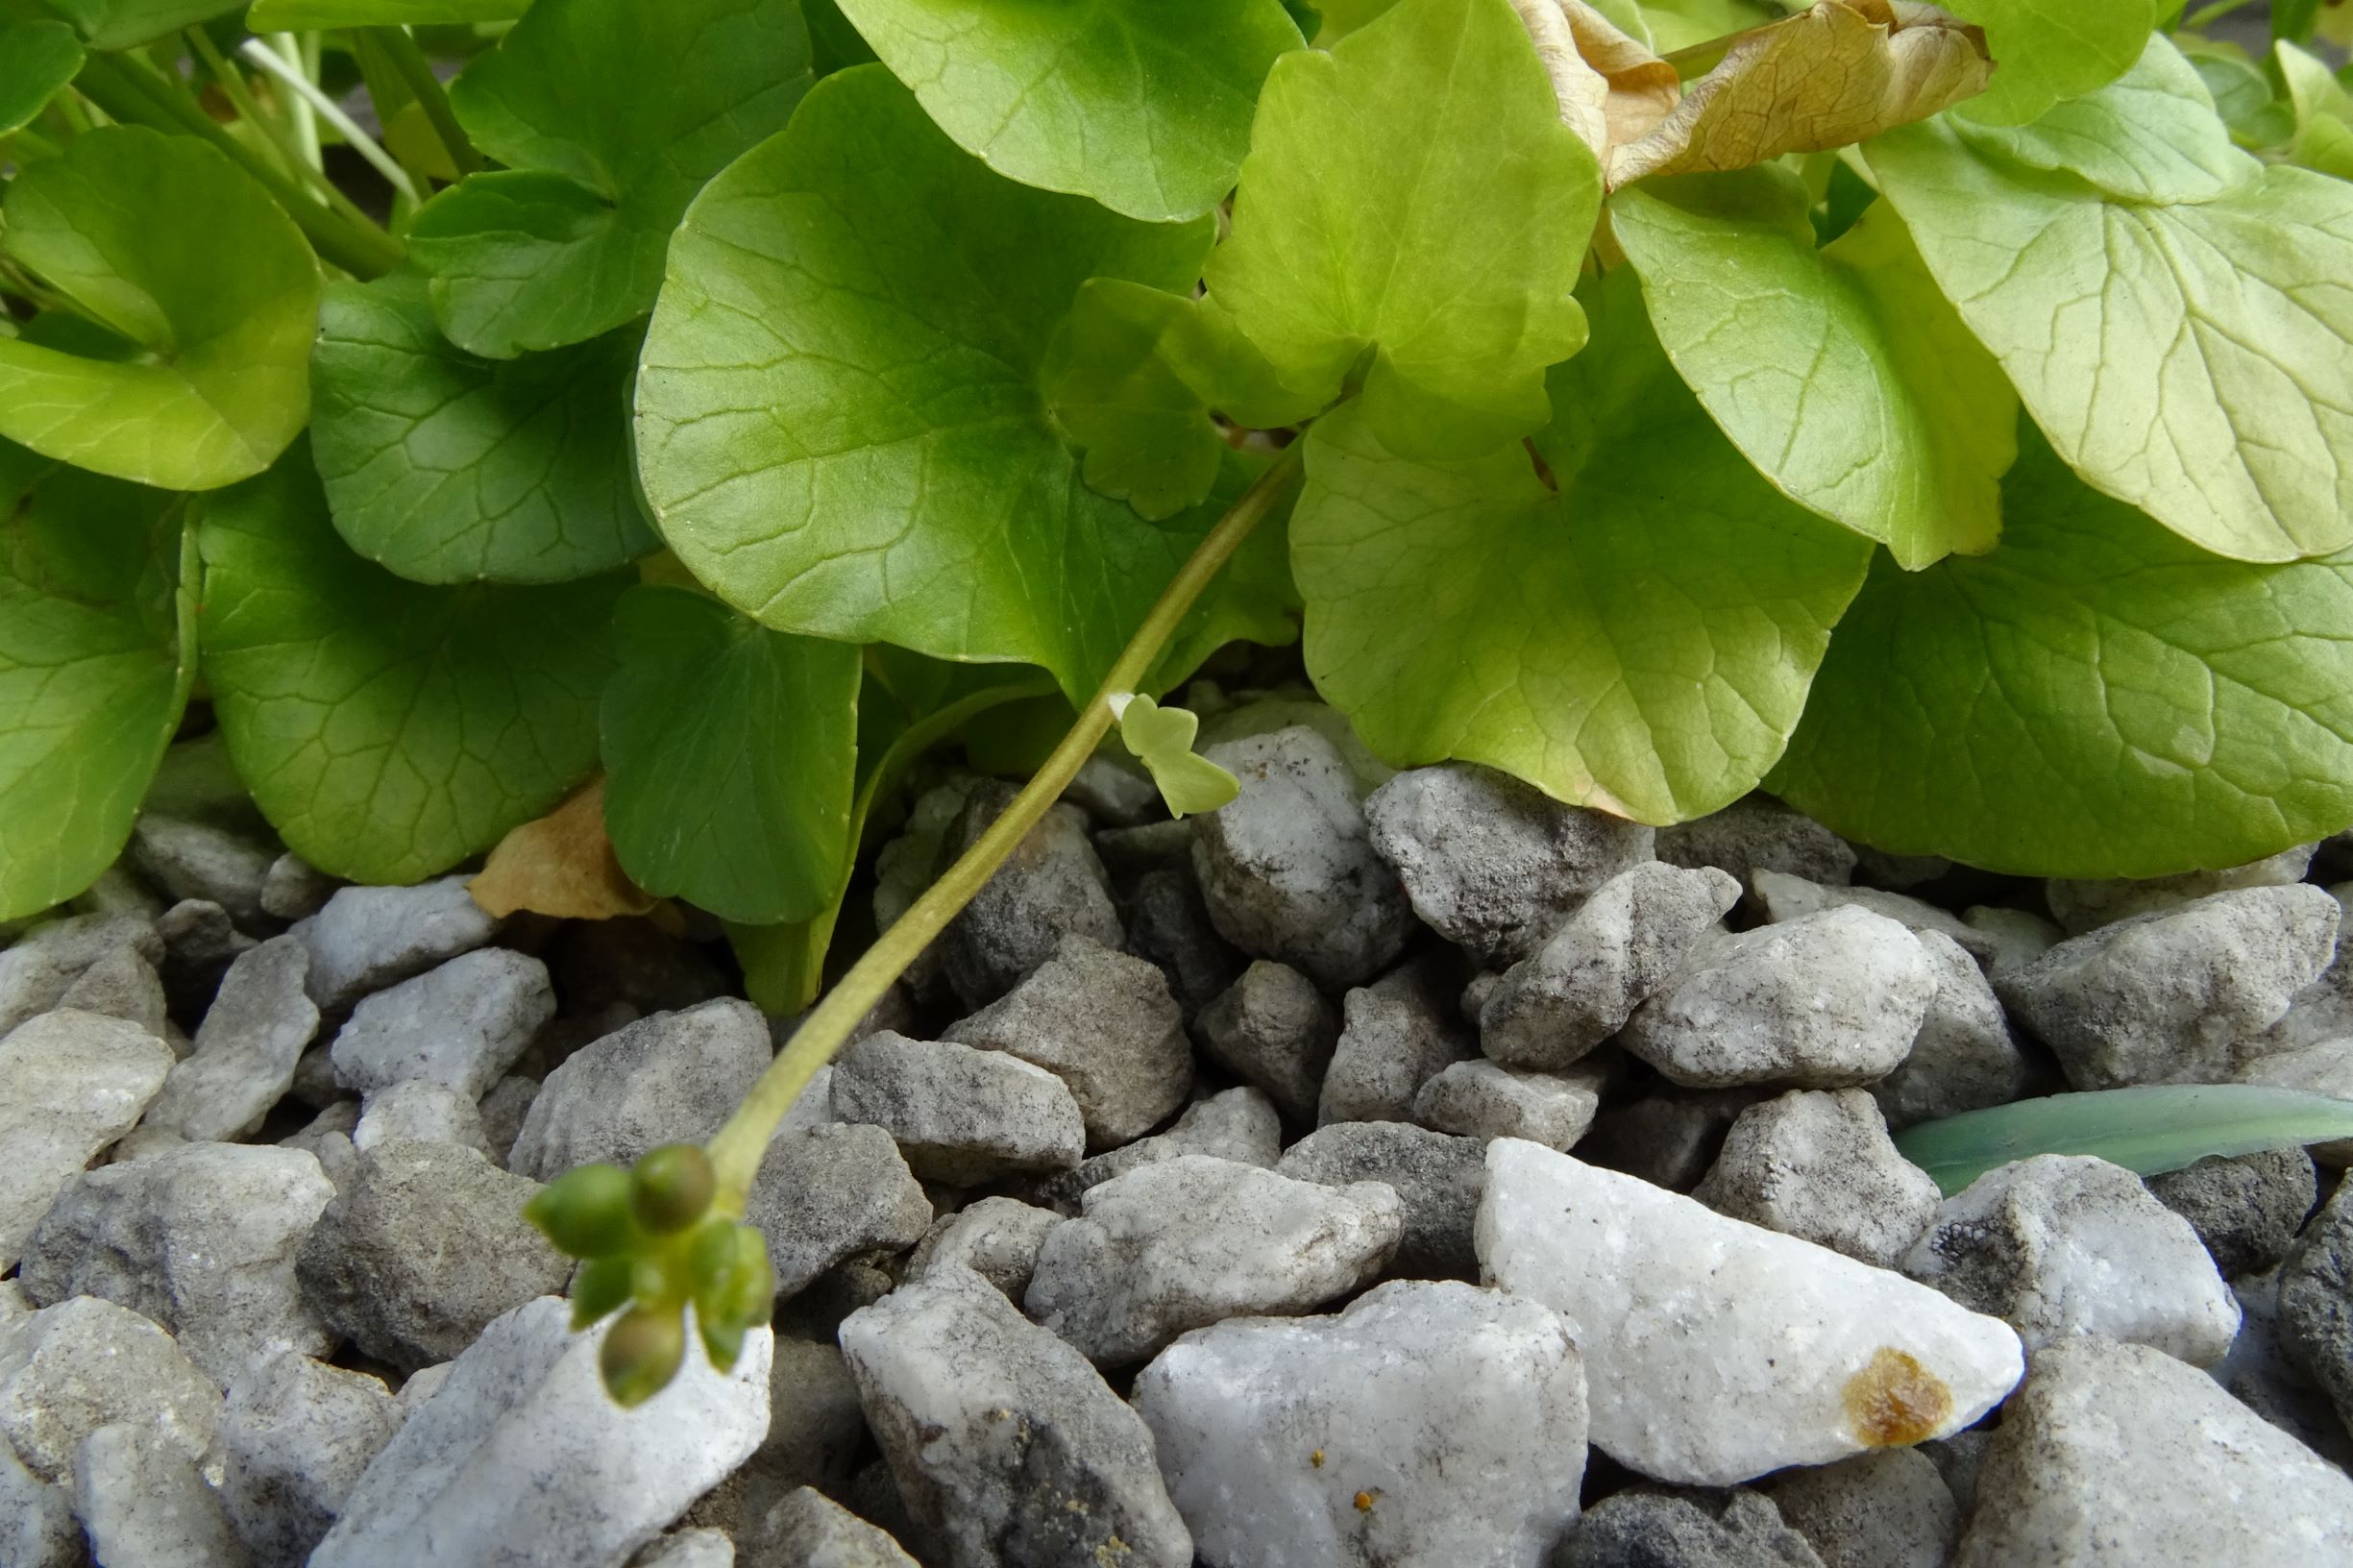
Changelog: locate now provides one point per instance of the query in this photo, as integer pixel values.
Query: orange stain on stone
(1896, 1401)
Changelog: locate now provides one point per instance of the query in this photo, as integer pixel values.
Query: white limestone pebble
(365, 939)
(37, 1528)
(959, 1115)
(1716, 1351)
(144, 1504)
(1818, 1164)
(1484, 1099)
(1185, 1242)
(1430, 1424)
(520, 1458)
(460, 1024)
(246, 1047)
(296, 1435)
(670, 1078)
(84, 1363)
(2061, 1245)
(70, 1083)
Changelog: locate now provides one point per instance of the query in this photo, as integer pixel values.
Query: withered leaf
(561, 865)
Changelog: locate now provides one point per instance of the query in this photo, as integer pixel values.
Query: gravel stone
(365, 939)
(122, 985)
(830, 1193)
(1757, 833)
(508, 1104)
(70, 1083)
(1427, 1424)
(37, 1528)
(1169, 924)
(1482, 1101)
(422, 1246)
(1611, 955)
(2261, 1372)
(2163, 997)
(1050, 888)
(816, 1429)
(246, 1047)
(295, 890)
(200, 941)
(1819, 1166)
(2118, 1454)
(417, 1110)
(43, 964)
(1492, 863)
(1438, 1178)
(1659, 1530)
(143, 1503)
(461, 1024)
(1716, 1351)
(2245, 1208)
(1965, 1056)
(997, 1238)
(671, 1078)
(1272, 1028)
(2012, 939)
(1240, 1124)
(1823, 1002)
(1190, 1241)
(296, 1434)
(84, 1363)
(808, 1530)
(1009, 1451)
(1788, 898)
(2316, 1302)
(1288, 868)
(2086, 906)
(518, 1458)
(201, 1239)
(2325, 1068)
(197, 860)
(698, 1548)
(1888, 1508)
(1116, 790)
(1395, 1035)
(2064, 1245)
(1669, 1139)
(1104, 1023)
(959, 1115)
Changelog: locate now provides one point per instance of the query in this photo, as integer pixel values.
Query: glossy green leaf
(2242, 95)
(389, 730)
(2095, 698)
(292, 15)
(1162, 739)
(612, 113)
(36, 59)
(840, 425)
(2149, 1130)
(123, 24)
(1414, 192)
(1148, 435)
(91, 675)
(447, 468)
(1840, 372)
(1140, 104)
(2195, 358)
(173, 247)
(1639, 639)
(2322, 111)
(729, 753)
(2047, 50)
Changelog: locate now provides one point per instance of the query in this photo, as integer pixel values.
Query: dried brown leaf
(1611, 89)
(561, 865)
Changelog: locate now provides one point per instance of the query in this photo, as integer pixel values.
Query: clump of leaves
(692, 415)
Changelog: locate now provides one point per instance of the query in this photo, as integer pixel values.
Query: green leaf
(2242, 95)
(2193, 358)
(1148, 435)
(1140, 104)
(1162, 739)
(2322, 112)
(36, 59)
(2095, 698)
(1640, 640)
(124, 24)
(1840, 372)
(612, 114)
(1414, 192)
(293, 15)
(173, 247)
(730, 753)
(2046, 50)
(1680, 24)
(2149, 1130)
(92, 673)
(446, 468)
(2152, 135)
(840, 425)
(389, 730)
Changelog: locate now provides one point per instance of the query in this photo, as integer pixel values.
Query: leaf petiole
(400, 49)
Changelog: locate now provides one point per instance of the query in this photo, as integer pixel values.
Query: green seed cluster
(651, 1245)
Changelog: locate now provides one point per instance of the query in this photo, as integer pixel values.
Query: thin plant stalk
(737, 1148)
(285, 51)
(308, 93)
(400, 48)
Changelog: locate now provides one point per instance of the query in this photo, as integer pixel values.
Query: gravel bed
(1387, 1170)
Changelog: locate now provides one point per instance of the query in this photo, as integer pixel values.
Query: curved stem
(737, 1148)
(399, 47)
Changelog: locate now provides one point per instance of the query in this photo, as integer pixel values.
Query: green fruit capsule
(586, 1212)
(722, 1343)
(642, 1353)
(600, 1287)
(739, 1289)
(673, 1188)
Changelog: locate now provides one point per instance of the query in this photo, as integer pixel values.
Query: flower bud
(673, 1188)
(600, 1287)
(586, 1212)
(642, 1353)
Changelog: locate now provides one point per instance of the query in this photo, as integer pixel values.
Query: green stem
(33, 141)
(2208, 15)
(399, 47)
(737, 1148)
(121, 86)
(231, 82)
